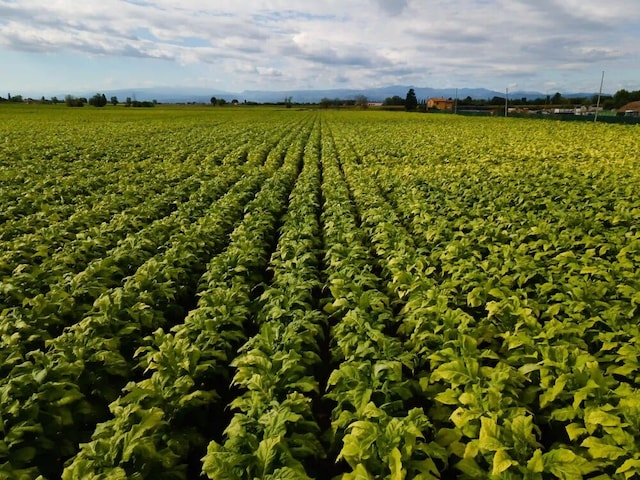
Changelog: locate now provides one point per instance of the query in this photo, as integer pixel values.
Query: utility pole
(455, 103)
(595, 119)
(506, 103)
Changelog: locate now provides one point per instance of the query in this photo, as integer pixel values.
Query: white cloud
(286, 44)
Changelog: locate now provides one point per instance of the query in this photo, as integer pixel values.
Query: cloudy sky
(58, 46)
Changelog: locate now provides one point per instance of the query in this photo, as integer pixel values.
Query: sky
(67, 46)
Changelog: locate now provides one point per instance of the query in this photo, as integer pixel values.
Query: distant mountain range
(203, 95)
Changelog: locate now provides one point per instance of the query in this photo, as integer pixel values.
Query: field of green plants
(249, 293)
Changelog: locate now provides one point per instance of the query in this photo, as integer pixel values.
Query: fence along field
(252, 293)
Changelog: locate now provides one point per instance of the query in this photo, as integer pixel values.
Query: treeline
(98, 100)
(410, 102)
(12, 99)
(608, 102)
(622, 97)
(358, 101)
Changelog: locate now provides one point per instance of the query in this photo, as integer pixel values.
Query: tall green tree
(411, 102)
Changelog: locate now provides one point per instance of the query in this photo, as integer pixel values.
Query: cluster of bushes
(71, 101)
(98, 100)
(135, 103)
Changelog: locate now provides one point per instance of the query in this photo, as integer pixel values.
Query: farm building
(630, 109)
(440, 104)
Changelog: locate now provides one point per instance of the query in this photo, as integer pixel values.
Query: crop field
(253, 293)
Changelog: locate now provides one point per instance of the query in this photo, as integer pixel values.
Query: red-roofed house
(440, 104)
(630, 109)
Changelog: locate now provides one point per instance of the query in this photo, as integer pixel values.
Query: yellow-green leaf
(575, 430)
(395, 465)
(536, 462)
(502, 461)
(599, 449)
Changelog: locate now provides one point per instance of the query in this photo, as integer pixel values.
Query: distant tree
(128, 102)
(98, 100)
(622, 97)
(362, 101)
(606, 101)
(411, 101)
(234, 101)
(114, 100)
(396, 100)
(557, 99)
(138, 104)
(71, 101)
(55, 100)
(287, 102)
(214, 101)
(325, 102)
(466, 101)
(222, 102)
